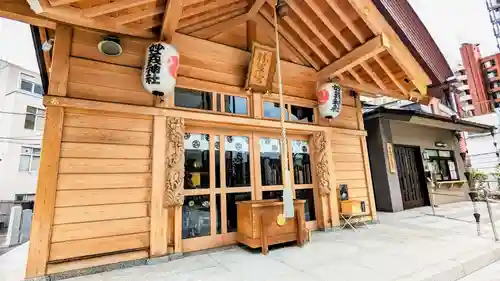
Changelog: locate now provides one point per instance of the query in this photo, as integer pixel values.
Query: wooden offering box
(258, 224)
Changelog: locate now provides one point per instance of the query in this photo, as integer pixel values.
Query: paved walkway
(405, 246)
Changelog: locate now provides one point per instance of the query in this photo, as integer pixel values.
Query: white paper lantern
(160, 69)
(329, 100)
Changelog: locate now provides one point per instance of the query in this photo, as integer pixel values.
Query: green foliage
(478, 178)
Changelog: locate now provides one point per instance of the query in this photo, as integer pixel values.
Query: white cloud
(16, 45)
(453, 22)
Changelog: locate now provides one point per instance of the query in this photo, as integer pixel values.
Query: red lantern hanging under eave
(329, 100)
(160, 69)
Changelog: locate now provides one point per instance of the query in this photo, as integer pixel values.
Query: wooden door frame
(312, 225)
(224, 238)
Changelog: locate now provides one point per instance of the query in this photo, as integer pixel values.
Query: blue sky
(450, 22)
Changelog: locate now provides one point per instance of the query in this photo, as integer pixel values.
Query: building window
(302, 114)
(31, 87)
(272, 110)
(193, 99)
(34, 119)
(442, 164)
(491, 74)
(30, 159)
(293, 112)
(234, 104)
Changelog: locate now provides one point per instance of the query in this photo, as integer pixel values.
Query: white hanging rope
(287, 190)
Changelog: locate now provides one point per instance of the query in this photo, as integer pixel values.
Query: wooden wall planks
(93, 246)
(100, 212)
(104, 185)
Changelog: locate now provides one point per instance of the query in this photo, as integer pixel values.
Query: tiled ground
(405, 246)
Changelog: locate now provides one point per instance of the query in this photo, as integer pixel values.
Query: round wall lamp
(110, 46)
(440, 144)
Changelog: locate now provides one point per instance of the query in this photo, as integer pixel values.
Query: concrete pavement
(405, 246)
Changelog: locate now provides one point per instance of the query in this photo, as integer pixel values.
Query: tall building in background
(477, 82)
(494, 9)
(22, 117)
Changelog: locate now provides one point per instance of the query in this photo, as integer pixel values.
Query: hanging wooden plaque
(261, 69)
(390, 158)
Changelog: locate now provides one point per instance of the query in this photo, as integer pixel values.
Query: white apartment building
(21, 128)
(463, 92)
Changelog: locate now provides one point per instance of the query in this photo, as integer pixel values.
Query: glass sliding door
(219, 173)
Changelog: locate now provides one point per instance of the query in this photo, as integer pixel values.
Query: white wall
(480, 146)
(13, 136)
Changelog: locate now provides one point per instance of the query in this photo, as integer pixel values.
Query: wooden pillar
(159, 214)
(325, 180)
(41, 227)
(174, 172)
(60, 61)
(45, 198)
(366, 161)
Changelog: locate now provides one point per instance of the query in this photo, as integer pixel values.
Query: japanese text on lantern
(153, 67)
(336, 99)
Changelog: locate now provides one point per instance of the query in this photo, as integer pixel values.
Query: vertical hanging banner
(329, 100)
(160, 69)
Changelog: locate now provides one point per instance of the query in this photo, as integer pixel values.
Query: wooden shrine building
(110, 185)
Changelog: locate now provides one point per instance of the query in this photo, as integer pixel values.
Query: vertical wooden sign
(261, 69)
(390, 158)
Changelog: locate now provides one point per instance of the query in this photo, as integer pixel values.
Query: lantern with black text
(160, 69)
(329, 100)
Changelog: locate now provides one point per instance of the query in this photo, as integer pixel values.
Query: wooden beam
(193, 10)
(72, 15)
(220, 27)
(205, 24)
(355, 57)
(315, 30)
(329, 24)
(173, 12)
(159, 214)
(45, 198)
(257, 5)
(302, 35)
(374, 76)
(46, 54)
(146, 25)
(192, 117)
(267, 15)
(60, 62)
(139, 15)
(56, 3)
(113, 7)
(355, 75)
(268, 29)
(347, 21)
(20, 11)
(251, 33)
(214, 14)
(391, 75)
(378, 24)
(367, 88)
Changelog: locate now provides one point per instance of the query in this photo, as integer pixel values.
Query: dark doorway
(411, 176)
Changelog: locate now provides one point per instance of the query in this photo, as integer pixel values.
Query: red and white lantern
(160, 69)
(329, 100)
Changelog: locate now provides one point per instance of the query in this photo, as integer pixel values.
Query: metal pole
(490, 213)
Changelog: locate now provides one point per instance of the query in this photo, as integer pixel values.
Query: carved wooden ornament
(261, 69)
(321, 159)
(174, 162)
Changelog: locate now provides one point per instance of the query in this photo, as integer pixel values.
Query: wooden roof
(347, 40)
